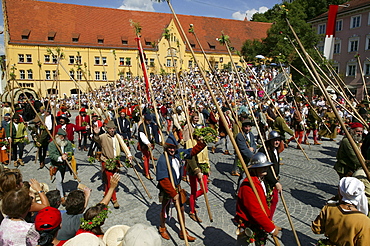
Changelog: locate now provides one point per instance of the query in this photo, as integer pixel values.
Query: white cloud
(249, 13)
(143, 5)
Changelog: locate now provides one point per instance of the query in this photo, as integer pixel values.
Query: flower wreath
(96, 221)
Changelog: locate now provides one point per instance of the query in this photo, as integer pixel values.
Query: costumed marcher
(167, 191)
(41, 140)
(69, 128)
(4, 144)
(123, 125)
(179, 119)
(273, 186)
(254, 222)
(59, 158)
(298, 126)
(332, 123)
(94, 145)
(312, 121)
(82, 120)
(347, 161)
(281, 127)
(18, 138)
(145, 144)
(197, 167)
(225, 142)
(247, 146)
(111, 144)
(345, 222)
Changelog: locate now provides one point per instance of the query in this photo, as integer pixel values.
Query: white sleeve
(143, 138)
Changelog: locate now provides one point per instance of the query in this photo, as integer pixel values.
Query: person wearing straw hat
(345, 222)
(111, 144)
(254, 222)
(58, 159)
(167, 192)
(17, 139)
(347, 161)
(41, 139)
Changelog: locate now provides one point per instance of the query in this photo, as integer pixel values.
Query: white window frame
(72, 74)
(47, 58)
(55, 59)
(366, 68)
(128, 61)
(337, 47)
(339, 25)
(55, 75)
(121, 61)
(47, 75)
(29, 74)
(28, 58)
(356, 39)
(367, 42)
(128, 74)
(79, 74)
(78, 60)
(349, 69)
(336, 68)
(97, 75)
(321, 28)
(104, 75)
(104, 61)
(21, 58)
(71, 59)
(354, 23)
(22, 74)
(97, 60)
(168, 63)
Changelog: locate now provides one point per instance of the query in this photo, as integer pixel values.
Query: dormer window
(25, 34)
(75, 37)
(148, 42)
(124, 40)
(51, 35)
(100, 39)
(212, 45)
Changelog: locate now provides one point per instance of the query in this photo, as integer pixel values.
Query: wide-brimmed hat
(63, 116)
(85, 239)
(111, 124)
(61, 132)
(171, 141)
(247, 122)
(115, 234)
(141, 234)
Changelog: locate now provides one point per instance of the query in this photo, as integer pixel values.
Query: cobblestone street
(307, 184)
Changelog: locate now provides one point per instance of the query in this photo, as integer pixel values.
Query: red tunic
(70, 129)
(249, 210)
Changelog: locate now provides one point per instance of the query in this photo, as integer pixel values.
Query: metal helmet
(259, 160)
(272, 135)
(282, 110)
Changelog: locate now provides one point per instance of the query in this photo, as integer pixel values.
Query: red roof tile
(113, 25)
(346, 7)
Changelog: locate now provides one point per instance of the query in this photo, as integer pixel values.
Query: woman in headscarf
(345, 222)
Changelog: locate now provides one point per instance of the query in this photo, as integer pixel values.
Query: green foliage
(209, 134)
(136, 27)
(224, 39)
(166, 34)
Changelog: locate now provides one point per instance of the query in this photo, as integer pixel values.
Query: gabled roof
(88, 24)
(345, 7)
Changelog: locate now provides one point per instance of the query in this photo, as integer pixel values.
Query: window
(74, 40)
(168, 64)
(100, 41)
(22, 74)
(104, 60)
(221, 59)
(148, 43)
(351, 69)
(55, 59)
(72, 74)
(75, 37)
(71, 59)
(128, 75)
(336, 48)
(216, 65)
(339, 25)
(47, 58)
(336, 68)
(25, 34)
(51, 35)
(29, 74)
(355, 21)
(175, 63)
(104, 75)
(47, 75)
(212, 47)
(97, 60)
(321, 29)
(78, 60)
(353, 45)
(128, 61)
(20, 58)
(367, 69)
(151, 62)
(97, 75)
(367, 42)
(190, 63)
(171, 52)
(54, 74)
(192, 46)
(29, 58)
(121, 61)
(79, 75)
(124, 42)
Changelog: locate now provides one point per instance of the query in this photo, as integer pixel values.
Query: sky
(228, 9)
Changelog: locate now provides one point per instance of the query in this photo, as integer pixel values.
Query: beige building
(57, 48)
(352, 38)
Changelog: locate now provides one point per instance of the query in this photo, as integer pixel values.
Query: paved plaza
(307, 184)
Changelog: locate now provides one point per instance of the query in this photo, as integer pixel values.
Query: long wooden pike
(340, 120)
(219, 111)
